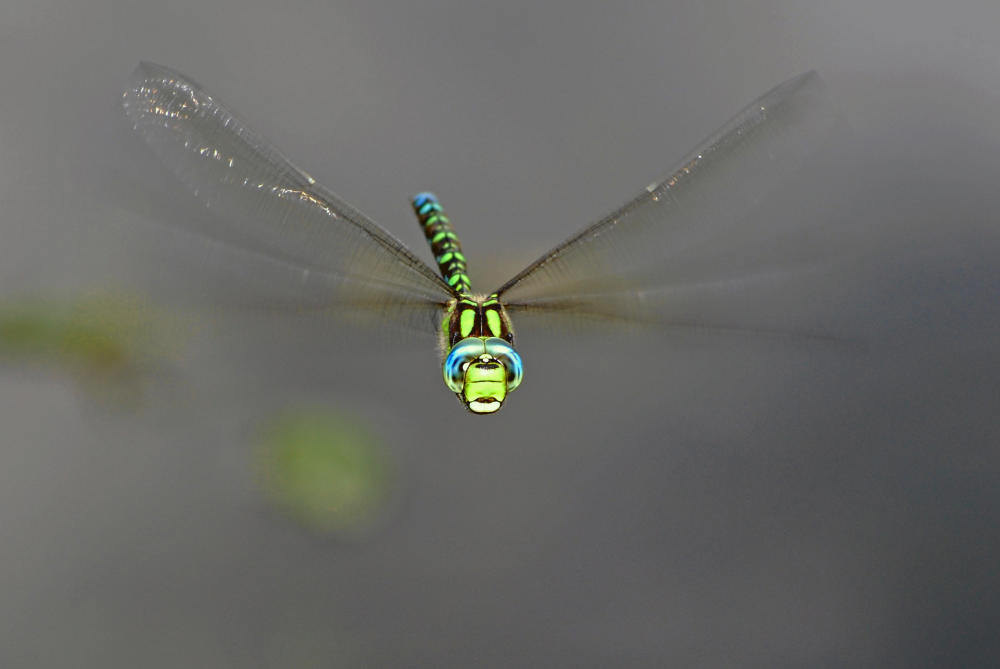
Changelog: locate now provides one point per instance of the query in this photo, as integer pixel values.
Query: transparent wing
(681, 237)
(274, 211)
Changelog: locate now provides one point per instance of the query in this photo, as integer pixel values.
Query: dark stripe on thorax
(471, 318)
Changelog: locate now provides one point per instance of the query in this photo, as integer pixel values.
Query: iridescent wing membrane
(683, 229)
(269, 207)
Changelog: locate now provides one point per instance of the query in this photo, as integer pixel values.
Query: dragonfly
(617, 268)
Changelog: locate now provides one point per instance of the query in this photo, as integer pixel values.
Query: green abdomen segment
(444, 243)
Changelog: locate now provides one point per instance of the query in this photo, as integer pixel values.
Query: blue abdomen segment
(444, 243)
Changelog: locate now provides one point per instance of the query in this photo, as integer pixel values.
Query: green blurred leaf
(326, 470)
(106, 341)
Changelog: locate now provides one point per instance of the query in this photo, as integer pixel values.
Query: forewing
(682, 233)
(273, 211)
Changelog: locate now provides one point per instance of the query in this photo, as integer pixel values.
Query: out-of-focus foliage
(104, 341)
(325, 469)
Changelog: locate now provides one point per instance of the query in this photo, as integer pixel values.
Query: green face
(482, 371)
(485, 385)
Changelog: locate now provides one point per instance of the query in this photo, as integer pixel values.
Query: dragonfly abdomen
(443, 240)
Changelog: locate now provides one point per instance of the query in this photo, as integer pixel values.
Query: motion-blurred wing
(273, 210)
(639, 263)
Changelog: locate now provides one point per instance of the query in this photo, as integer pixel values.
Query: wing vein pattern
(682, 229)
(268, 206)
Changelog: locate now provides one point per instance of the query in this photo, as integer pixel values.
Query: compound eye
(460, 355)
(510, 359)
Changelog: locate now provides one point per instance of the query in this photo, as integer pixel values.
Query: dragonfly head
(482, 371)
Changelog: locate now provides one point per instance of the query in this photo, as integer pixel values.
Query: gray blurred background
(696, 500)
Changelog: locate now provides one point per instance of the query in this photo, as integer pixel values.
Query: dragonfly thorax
(477, 317)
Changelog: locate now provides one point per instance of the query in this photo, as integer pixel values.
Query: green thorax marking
(444, 243)
(472, 317)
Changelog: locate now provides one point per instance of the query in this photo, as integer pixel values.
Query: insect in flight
(616, 268)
